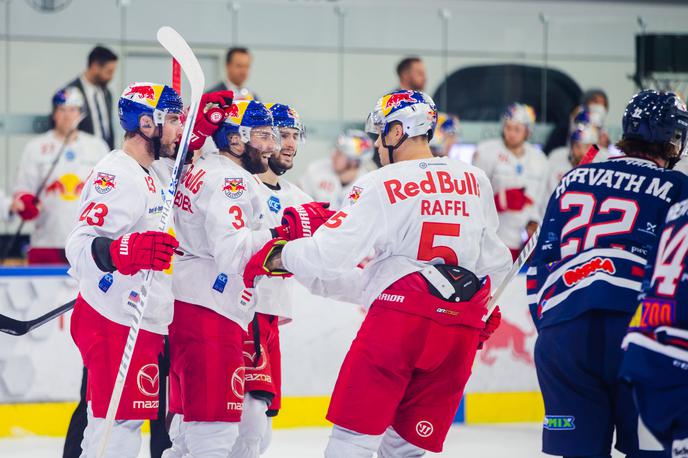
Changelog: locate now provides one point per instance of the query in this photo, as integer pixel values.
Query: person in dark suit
(238, 67)
(102, 64)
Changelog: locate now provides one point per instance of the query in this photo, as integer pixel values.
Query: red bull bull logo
(398, 98)
(141, 92)
(508, 336)
(234, 187)
(575, 275)
(233, 111)
(67, 187)
(104, 183)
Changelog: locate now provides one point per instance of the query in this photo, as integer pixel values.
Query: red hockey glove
(512, 199)
(139, 251)
(303, 220)
(212, 111)
(258, 264)
(491, 326)
(27, 207)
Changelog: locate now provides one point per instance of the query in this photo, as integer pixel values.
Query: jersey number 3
(94, 214)
(427, 250)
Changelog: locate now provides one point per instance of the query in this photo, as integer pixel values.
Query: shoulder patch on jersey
(234, 187)
(104, 183)
(355, 194)
(274, 204)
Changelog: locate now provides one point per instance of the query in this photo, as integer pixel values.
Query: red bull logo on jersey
(104, 183)
(595, 265)
(434, 183)
(67, 187)
(234, 187)
(355, 194)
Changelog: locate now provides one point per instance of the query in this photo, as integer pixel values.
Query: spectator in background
(331, 179)
(238, 67)
(597, 103)
(446, 135)
(411, 73)
(55, 208)
(92, 84)
(516, 169)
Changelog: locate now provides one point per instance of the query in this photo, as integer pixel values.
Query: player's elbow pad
(100, 250)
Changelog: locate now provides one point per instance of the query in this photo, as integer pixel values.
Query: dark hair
(592, 93)
(235, 50)
(638, 148)
(101, 55)
(406, 63)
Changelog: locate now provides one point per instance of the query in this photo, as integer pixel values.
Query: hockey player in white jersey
(219, 226)
(262, 355)
(331, 180)
(515, 169)
(55, 209)
(431, 223)
(113, 242)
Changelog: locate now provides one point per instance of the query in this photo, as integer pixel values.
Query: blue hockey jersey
(600, 226)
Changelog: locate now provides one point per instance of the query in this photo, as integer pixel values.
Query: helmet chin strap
(391, 149)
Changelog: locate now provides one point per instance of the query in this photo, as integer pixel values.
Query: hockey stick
(8, 246)
(182, 53)
(528, 249)
(19, 328)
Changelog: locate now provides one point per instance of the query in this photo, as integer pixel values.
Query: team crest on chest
(104, 183)
(234, 187)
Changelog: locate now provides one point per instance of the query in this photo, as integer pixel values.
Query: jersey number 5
(586, 204)
(427, 250)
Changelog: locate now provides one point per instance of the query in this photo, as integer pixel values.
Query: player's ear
(146, 124)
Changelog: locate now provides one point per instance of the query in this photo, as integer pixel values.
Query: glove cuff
(100, 250)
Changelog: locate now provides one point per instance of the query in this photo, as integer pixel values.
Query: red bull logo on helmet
(146, 93)
(234, 187)
(395, 100)
(104, 183)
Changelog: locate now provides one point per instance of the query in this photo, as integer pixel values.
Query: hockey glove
(258, 264)
(212, 112)
(27, 207)
(139, 251)
(512, 199)
(303, 220)
(491, 326)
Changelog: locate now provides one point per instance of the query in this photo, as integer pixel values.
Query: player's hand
(531, 227)
(27, 206)
(514, 199)
(303, 220)
(491, 326)
(262, 263)
(212, 112)
(139, 251)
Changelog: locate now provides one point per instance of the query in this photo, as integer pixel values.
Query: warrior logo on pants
(424, 428)
(148, 380)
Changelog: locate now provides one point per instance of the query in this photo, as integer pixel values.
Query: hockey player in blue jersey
(656, 358)
(585, 275)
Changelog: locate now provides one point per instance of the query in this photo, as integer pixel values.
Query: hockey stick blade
(182, 53)
(16, 327)
(528, 249)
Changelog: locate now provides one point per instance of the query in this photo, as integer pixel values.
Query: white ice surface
(513, 441)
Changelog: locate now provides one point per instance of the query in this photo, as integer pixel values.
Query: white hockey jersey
(60, 197)
(410, 214)
(275, 295)
(218, 220)
(506, 171)
(5, 204)
(119, 197)
(320, 182)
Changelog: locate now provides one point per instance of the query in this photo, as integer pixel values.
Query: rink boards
(40, 373)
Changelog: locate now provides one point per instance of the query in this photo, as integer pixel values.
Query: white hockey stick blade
(180, 50)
